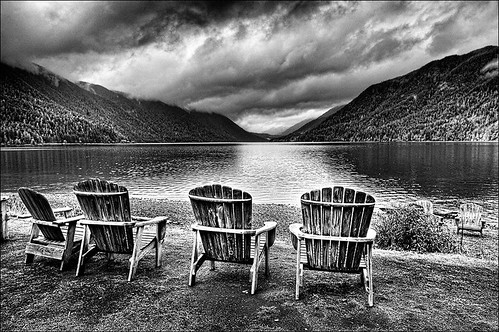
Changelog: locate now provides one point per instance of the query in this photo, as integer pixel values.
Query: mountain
(451, 99)
(40, 107)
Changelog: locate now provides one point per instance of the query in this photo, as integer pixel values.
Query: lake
(272, 173)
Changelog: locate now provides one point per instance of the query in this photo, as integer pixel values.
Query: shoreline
(412, 291)
(69, 199)
(181, 215)
(27, 146)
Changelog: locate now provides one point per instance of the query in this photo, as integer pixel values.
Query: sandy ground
(412, 291)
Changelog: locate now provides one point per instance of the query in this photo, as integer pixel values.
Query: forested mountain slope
(41, 107)
(455, 98)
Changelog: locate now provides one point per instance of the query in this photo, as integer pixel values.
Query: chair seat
(78, 236)
(78, 231)
(147, 237)
(261, 247)
(304, 259)
(470, 227)
(45, 241)
(252, 251)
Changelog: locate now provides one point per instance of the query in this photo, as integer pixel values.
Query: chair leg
(29, 258)
(68, 249)
(35, 231)
(134, 261)
(255, 266)
(298, 271)
(267, 253)
(194, 257)
(64, 262)
(80, 268)
(159, 249)
(370, 296)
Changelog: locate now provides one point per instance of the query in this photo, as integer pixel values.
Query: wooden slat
(335, 212)
(53, 250)
(470, 215)
(224, 208)
(107, 204)
(304, 258)
(252, 249)
(37, 204)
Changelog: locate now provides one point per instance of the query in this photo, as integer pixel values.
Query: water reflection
(273, 173)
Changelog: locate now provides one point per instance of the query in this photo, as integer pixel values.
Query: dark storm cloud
(110, 26)
(258, 62)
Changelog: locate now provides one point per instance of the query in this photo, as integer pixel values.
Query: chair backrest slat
(37, 205)
(426, 205)
(105, 201)
(40, 209)
(229, 208)
(336, 211)
(470, 214)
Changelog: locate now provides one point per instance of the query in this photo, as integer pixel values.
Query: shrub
(409, 228)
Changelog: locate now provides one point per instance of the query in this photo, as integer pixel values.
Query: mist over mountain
(451, 99)
(303, 126)
(38, 106)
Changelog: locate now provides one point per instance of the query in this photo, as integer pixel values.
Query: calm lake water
(272, 173)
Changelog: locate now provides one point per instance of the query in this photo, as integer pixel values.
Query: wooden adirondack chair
(335, 234)
(470, 218)
(426, 205)
(223, 223)
(50, 237)
(111, 226)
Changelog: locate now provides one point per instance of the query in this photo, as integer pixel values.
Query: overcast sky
(265, 65)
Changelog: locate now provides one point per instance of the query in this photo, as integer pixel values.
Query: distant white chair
(470, 218)
(426, 205)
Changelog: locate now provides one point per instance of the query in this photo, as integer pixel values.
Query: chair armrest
(371, 234)
(140, 218)
(197, 227)
(267, 226)
(295, 229)
(153, 221)
(68, 220)
(62, 209)
(295, 234)
(107, 223)
(58, 210)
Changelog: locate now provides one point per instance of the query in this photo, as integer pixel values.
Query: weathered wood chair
(426, 205)
(223, 223)
(335, 234)
(111, 226)
(470, 218)
(50, 237)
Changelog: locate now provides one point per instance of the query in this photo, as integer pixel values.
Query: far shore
(22, 146)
